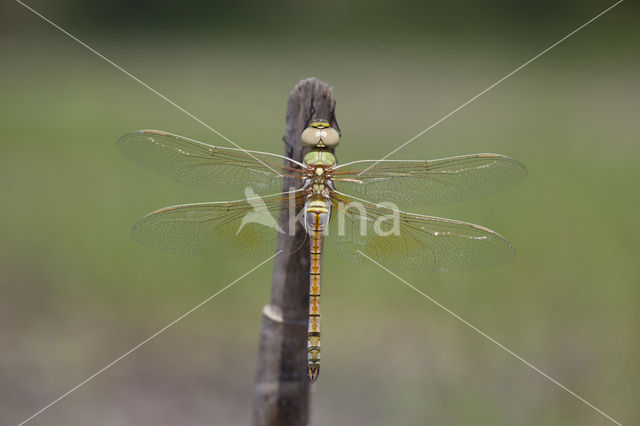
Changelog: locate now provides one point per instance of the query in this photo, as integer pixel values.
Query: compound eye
(309, 136)
(320, 136)
(331, 137)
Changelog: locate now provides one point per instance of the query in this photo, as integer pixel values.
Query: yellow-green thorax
(319, 158)
(317, 162)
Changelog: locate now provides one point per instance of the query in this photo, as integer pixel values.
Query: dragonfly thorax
(319, 164)
(319, 158)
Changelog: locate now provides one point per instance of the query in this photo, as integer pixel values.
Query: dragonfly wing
(429, 183)
(245, 229)
(217, 169)
(407, 241)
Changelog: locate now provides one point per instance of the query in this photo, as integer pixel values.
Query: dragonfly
(353, 206)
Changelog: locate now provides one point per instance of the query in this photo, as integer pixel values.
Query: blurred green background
(76, 292)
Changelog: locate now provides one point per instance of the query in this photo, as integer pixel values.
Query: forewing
(246, 229)
(421, 243)
(429, 183)
(216, 169)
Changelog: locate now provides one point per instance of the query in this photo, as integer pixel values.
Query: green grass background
(76, 291)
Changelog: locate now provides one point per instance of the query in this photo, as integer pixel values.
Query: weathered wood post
(282, 387)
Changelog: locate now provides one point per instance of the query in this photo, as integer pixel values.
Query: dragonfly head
(320, 134)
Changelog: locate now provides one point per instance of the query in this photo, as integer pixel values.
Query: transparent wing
(429, 183)
(245, 229)
(419, 243)
(217, 169)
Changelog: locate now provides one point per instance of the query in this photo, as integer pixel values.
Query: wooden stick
(282, 396)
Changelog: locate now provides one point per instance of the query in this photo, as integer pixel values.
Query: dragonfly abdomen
(317, 213)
